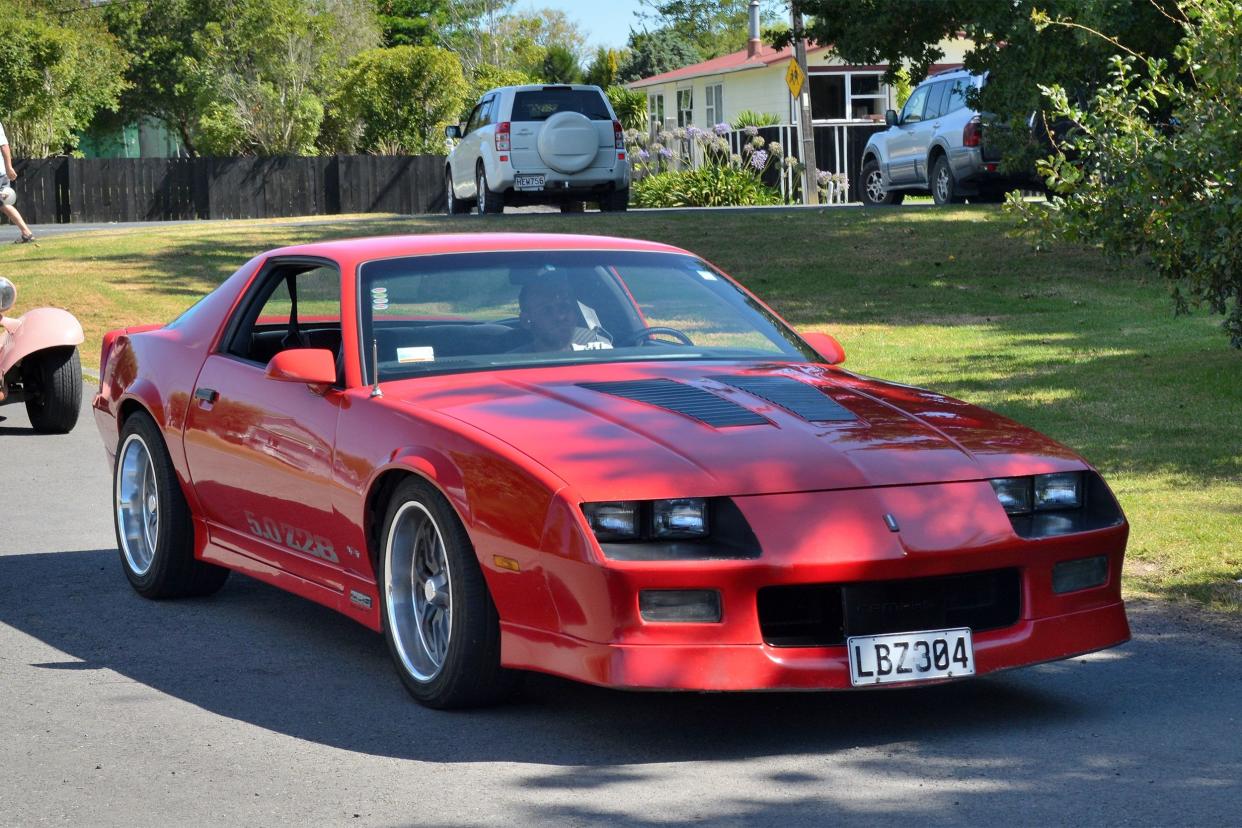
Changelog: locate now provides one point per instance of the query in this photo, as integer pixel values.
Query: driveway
(255, 707)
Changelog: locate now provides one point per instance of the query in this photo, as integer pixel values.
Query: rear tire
(573, 206)
(154, 530)
(618, 201)
(442, 629)
(487, 201)
(874, 193)
(943, 184)
(52, 382)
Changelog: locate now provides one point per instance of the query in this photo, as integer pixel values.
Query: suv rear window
(541, 104)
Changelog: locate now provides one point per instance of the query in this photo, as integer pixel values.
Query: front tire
(52, 382)
(453, 205)
(874, 193)
(154, 532)
(943, 184)
(487, 202)
(442, 629)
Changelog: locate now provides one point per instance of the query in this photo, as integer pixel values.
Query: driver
(547, 310)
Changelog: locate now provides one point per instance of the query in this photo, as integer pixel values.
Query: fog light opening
(1083, 573)
(680, 606)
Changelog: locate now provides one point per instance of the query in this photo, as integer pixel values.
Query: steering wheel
(643, 334)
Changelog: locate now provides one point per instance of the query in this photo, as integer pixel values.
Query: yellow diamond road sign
(794, 78)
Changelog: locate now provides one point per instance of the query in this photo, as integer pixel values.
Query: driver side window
(913, 110)
(294, 306)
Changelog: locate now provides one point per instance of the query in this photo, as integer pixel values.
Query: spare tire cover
(568, 142)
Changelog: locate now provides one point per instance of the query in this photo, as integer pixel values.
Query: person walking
(6, 180)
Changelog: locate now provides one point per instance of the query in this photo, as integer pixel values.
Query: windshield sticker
(597, 345)
(417, 353)
(708, 276)
(379, 298)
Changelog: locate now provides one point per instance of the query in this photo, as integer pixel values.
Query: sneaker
(24, 239)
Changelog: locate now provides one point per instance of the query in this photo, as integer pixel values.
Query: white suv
(538, 145)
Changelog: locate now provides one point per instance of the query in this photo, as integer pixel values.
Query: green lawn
(1083, 349)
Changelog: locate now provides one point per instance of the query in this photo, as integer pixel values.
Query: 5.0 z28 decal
(291, 537)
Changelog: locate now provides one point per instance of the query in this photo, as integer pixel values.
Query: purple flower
(692, 131)
(751, 130)
(758, 159)
(665, 152)
(721, 129)
(643, 155)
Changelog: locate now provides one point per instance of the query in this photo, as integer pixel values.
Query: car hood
(622, 431)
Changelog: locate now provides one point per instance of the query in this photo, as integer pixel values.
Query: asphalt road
(255, 707)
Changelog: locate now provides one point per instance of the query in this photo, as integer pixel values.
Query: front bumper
(760, 667)
(603, 639)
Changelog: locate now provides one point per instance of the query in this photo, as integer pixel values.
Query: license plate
(912, 656)
(528, 182)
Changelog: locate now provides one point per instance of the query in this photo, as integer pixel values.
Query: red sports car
(599, 458)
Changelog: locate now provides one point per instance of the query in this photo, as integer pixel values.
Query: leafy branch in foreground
(1151, 165)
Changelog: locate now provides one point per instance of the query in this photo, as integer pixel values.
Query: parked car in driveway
(560, 145)
(594, 457)
(938, 144)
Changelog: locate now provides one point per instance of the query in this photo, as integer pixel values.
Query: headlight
(685, 517)
(614, 520)
(1014, 493)
(1041, 493)
(1058, 491)
(1062, 503)
(683, 528)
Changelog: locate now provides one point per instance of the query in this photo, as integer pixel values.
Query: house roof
(733, 62)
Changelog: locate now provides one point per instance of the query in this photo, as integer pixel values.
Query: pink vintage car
(39, 363)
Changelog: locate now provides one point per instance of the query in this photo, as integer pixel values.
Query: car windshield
(542, 104)
(477, 311)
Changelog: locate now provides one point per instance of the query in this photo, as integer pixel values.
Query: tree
(162, 80)
(715, 27)
(487, 77)
(1150, 166)
(651, 53)
(1017, 54)
(603, 69)
(411, 22)
(271, 63)
(560, 65)
(398, 100)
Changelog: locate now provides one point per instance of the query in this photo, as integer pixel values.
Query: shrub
(748, 117)
(630, 106)
(711, 185)
(1151, 166)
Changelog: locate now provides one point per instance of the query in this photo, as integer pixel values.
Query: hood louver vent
(799, 398)
(682, 399)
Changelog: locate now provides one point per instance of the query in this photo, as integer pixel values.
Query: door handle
(207, 395)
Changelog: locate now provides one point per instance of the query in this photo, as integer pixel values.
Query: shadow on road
(261, 656)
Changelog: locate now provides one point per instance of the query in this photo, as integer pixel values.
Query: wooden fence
(62, 190)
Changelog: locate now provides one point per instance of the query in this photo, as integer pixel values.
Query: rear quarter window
(541, 104)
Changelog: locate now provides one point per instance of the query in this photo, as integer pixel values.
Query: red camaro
(599, 458)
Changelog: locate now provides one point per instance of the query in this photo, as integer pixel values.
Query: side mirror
(8, 294)
(890, 117)
(826, 346)
(313, 366)
(452, 131)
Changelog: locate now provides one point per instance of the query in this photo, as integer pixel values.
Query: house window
(685, 108)
(715, 105)
(655, 112)
(840, 96)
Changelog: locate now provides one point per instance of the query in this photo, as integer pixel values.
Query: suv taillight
(502, 136)
(972, 133)
(618, 135)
